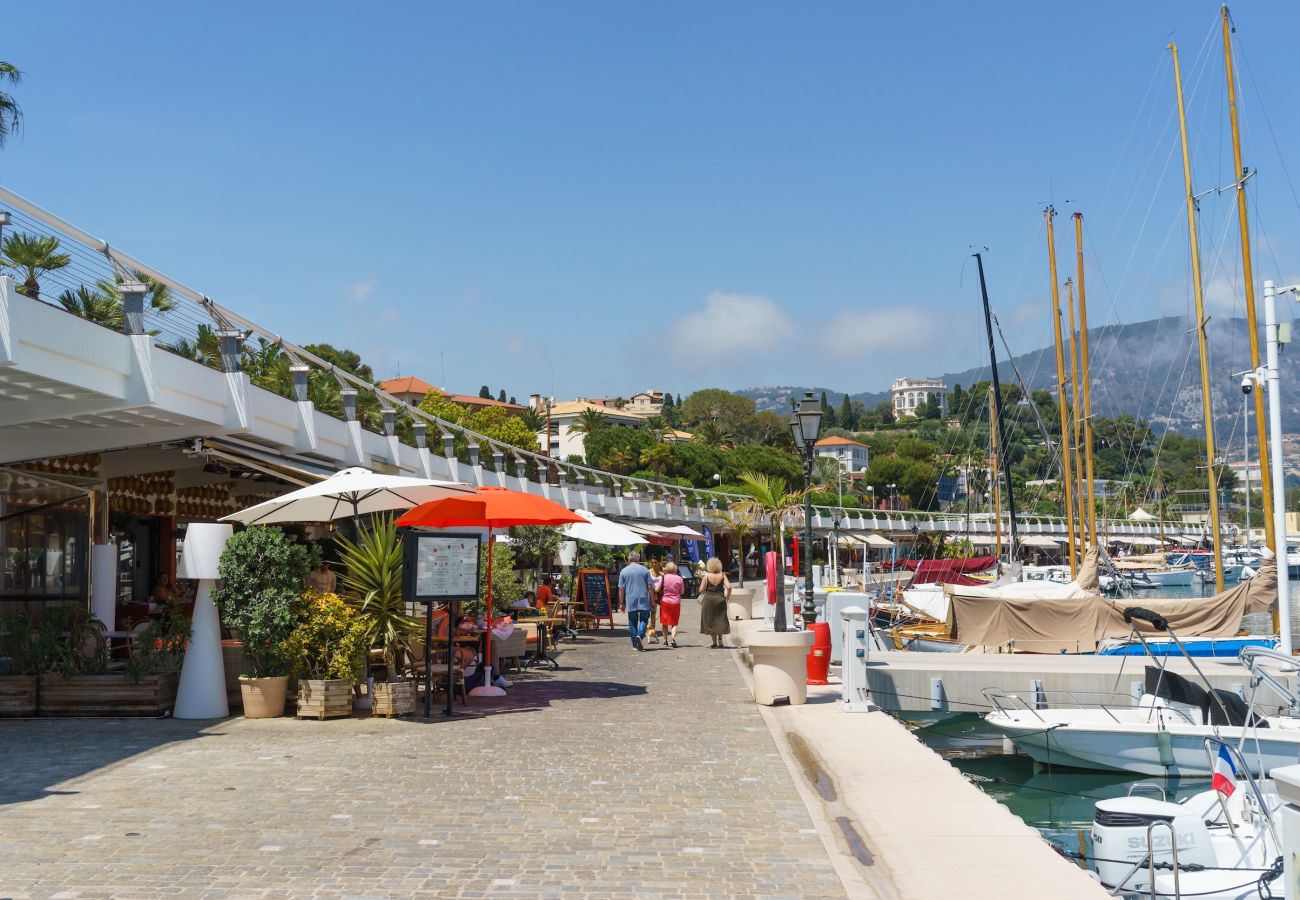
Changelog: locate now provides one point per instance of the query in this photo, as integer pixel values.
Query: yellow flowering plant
(329, 640)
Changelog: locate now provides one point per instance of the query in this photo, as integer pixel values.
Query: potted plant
(373, 580)
(262, 575)
(327, 651)
(78, 679)
(20, 664)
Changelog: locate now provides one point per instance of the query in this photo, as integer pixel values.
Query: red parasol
(502, 508)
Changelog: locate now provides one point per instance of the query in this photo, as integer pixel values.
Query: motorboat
(1220, 843)
(1164, 732)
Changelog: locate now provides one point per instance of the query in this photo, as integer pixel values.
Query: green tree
(11, 114)
(485, 392)
(885, 410)
(760, 460)
(731, 411)
(33, 255)
(501, 396)
(532, 419)
(848, 417)
(657, 456)
(589, 421)
(372, 580)
(262, 575)
(93, 306)
(616, 449)
(738, 524)
(829, 418)
(535, 545)
(770, 501)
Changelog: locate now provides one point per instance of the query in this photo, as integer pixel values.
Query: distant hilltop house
(852, 456)
(909, 393)
(411, 390)
(644, 403)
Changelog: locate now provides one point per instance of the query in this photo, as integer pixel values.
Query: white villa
(852, 456)
(911, 392)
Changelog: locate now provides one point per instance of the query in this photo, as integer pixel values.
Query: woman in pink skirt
(670, 602)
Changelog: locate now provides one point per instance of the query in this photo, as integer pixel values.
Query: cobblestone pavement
(624, 774)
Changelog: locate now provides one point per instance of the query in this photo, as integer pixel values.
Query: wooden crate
(107, 695)
(393, 699)
(324, 699)
(17, 695)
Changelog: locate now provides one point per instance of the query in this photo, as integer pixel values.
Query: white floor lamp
(202, 691)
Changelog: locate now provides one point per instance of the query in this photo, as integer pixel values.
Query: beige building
(565, 441)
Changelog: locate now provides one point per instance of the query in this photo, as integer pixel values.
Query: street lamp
(805, 425)
(893, 495)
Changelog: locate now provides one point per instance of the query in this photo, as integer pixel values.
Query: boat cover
(937, 571)
(1078, 624)
(954, 566)
(1084, 585)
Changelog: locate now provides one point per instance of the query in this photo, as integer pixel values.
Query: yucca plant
(739, 524)
(373, 581)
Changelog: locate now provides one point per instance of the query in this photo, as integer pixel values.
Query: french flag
(1225, 775)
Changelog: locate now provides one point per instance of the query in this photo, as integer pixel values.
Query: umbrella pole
(487, 688)
(451, 653)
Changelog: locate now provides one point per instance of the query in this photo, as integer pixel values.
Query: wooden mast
(1199, 296)
(1067, 476)
(1248, 279)
(1075, 418)
(1085, 374)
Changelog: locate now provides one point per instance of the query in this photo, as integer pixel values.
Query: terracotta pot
(263, 697)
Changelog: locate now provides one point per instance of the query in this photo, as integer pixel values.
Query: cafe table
(567, 609)
(544, 624)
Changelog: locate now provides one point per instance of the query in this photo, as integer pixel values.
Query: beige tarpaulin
(1078, 624)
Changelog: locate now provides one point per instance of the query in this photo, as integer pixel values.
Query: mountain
(1148, 369)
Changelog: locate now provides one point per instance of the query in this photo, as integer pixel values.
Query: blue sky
(619, 196)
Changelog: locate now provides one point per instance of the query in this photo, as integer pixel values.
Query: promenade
(623, 774)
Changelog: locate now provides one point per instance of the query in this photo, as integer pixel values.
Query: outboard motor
(1119, 838)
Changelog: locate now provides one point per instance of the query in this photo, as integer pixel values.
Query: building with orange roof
(851, 455)
(411, 390)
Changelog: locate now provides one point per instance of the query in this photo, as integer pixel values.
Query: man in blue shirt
(634, 595)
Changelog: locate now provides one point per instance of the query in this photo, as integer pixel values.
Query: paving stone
(622, 774)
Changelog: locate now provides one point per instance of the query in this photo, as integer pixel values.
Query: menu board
(595, 591)
(441, 566)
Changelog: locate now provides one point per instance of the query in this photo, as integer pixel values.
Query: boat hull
(1137, 748)
(1172, 579)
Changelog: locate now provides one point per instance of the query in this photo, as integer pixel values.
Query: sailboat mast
(995, 471)
(997, 403)
(1067, 476)
(1085, 375)
(1199, 296)
(1248, 279)
(1076, 420)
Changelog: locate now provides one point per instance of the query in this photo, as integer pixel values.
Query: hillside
(1148, 369)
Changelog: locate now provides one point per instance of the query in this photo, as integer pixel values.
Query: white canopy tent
(1141, 515)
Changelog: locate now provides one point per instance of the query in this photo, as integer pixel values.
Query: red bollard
(819, 657)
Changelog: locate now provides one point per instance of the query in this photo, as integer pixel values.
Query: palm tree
(533, 420)
(589, 421)
(205, 347)
(740, 525)
(770, 501)
(93, 306)
(656, 456)
(33, 255)
(621, 459)
(712, 434)
(657, 423)
(11, 114)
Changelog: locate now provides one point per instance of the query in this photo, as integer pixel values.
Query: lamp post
(893, 496)
(805, 425)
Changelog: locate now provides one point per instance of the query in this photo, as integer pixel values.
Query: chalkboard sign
(596, 601)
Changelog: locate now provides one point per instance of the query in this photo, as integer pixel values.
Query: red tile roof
(837, 441)
(406, 385)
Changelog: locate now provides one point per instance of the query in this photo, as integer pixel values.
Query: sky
(587, 198)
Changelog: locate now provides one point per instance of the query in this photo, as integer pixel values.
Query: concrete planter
(780, 665)
(740, 606)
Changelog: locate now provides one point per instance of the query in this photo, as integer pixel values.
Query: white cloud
(729, 326)
(513, 345)
(359, 291)
(853, 334)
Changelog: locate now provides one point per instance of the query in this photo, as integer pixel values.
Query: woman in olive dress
(715, 590)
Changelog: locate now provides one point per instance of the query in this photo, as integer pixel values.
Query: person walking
(670, 603)
(656, 592)
(715, 590)
(634, 585)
